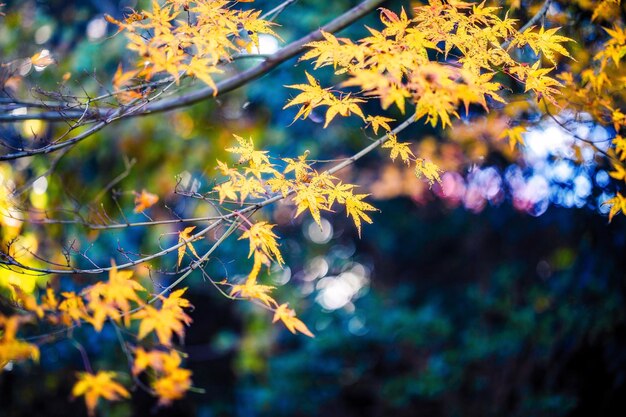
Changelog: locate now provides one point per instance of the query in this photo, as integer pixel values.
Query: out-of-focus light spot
(316, 268)
(532, 196)
(343, 251)
(582, 187)
(453, 187)
(96, 28)
(563, 171)
(268, 44)
(322, 323)
(552, 140)
(39, 201)
(43, 34)
(543, 269)
(42, 60)
(232, 110)
(281, 276)
(187, 182)
(358, 269)
(183, 124)
(20, 111)
(489, 181)
(307, 288)
(473, 199)
(569, 199)
(40, 185)
(32, 128)
(356, 326)
(602, 178)
(317, 235)
(537, 188)
(337, 292)
(26, 283)
(12, 218)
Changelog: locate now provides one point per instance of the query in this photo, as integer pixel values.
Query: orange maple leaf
(144, 201)
(96, 386)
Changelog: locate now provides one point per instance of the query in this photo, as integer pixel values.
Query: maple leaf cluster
(120, 301)
(470, 44)
(185, 38)
(445, 57)
(448, 55)
(595, 93)
(256, 178)
(312, 191)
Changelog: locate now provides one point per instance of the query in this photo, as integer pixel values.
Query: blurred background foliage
(503, 296)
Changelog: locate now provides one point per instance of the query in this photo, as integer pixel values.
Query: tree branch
(230, 217)
(223, 87)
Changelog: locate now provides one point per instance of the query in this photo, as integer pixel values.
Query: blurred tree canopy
(434, 186)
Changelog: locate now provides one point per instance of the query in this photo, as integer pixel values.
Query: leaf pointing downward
(185, 236)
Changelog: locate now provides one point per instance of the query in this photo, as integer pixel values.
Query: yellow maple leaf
(96, 386)
(514, 134)
(246, 152)
(254, 291)
(202, 68)
(226, 190)
(309, 197)
(344, 106)
(340, 52)
(172, 386)
(338, 192)
(72, 308)
(26, 301)
(356, 209)
(169, 319)
(158, 360)
(537, 80)
(280, 183)
(111, 299)
(185, 237)
(263, 239)
(11, 348)
(617, 204)
(121, 81)
(289, 319)
(379, 121)
(545, 41)
(620, 147)
(312, 96)
(619, 172)
(398, 149)
(429, 170)
(300, 167)
(49, 300)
